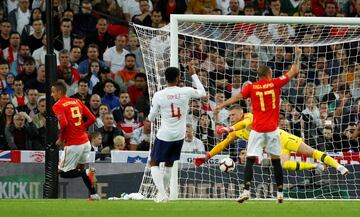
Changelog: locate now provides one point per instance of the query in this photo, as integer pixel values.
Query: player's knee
(169, 164)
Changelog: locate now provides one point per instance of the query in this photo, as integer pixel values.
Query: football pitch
(80, 208)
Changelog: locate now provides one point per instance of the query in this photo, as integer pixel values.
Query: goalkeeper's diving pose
(289, 143)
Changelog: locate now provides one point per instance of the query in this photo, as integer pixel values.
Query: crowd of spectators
(99, 58)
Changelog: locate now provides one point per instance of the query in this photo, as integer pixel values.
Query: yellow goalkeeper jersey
(289, 142)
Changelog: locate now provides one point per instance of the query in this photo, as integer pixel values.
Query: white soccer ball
(227, 165)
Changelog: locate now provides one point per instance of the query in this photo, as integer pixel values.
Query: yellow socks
(318, 155)
(294, 165)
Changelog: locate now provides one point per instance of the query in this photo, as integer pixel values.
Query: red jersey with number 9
(265, 101)
(70, 113)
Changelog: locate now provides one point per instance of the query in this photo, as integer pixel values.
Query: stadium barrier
(17, 156)
(24, 179)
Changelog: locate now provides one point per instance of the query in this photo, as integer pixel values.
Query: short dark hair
(65, 20)
(15, 33)
(28, 59)
(60, 86)
(84, 80)
(94, 134)
(74, 47)
(263, 71)
(3, 62)
(80, 37)
(38, 19)
(92, 46)
(171, 74)
(140, 75)
(249, 6)
(109, 81)
(130, 55)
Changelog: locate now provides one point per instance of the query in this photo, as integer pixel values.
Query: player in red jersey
(265, 134)
(70, 113)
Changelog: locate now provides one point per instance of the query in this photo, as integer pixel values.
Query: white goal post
(176, 18)
(331, 47)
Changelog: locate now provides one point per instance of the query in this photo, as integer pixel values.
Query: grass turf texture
(79, 208)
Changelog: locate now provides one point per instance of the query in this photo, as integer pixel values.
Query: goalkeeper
(289, 143)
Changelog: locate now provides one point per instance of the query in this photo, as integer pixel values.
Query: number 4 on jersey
(173, 114)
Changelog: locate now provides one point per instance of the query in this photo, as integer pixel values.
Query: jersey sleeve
(281, 81)
(61, 117)
(154, 110)
(90, 118)
(199, 91)
(246, 122)
(246, 91)
(223, 144)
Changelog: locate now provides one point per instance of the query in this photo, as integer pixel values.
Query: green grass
(80, 208)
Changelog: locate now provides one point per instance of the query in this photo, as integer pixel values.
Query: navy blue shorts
(163, 151)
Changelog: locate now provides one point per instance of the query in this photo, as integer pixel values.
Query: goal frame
(174, 31)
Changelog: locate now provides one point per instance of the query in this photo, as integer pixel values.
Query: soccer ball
(227, 165)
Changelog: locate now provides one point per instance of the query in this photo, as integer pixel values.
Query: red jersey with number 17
(70, 113)
(265, 101)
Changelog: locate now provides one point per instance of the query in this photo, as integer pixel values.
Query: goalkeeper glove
(200, 160)
(223, 130)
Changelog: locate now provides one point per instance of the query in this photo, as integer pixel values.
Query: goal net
(321, 105)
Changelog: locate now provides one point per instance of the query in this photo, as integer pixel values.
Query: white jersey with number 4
(172, 103)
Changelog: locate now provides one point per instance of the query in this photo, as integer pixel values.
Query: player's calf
(280, 197)
(91, 175)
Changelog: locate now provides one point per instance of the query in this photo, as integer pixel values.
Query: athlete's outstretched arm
(246, 122)
(216, 150)
(228, 102)
(294, 70)
(200, 90)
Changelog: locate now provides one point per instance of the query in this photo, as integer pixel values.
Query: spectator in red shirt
(101, 38)
(126, 76)
(129, 124)
(18, 99)
(168, 7)
(66, 71)
(319, 7)
(137, 90)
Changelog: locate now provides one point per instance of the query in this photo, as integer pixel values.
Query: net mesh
(321, 105)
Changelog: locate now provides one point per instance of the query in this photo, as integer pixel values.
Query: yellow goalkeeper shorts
(289, 142)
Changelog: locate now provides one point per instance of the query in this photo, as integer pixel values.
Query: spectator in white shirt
(324, 87)
(114, 57)
(20, 16)
(39, 54)
(191, 143)
(11, 4)
(131, 8)
(140, 138)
